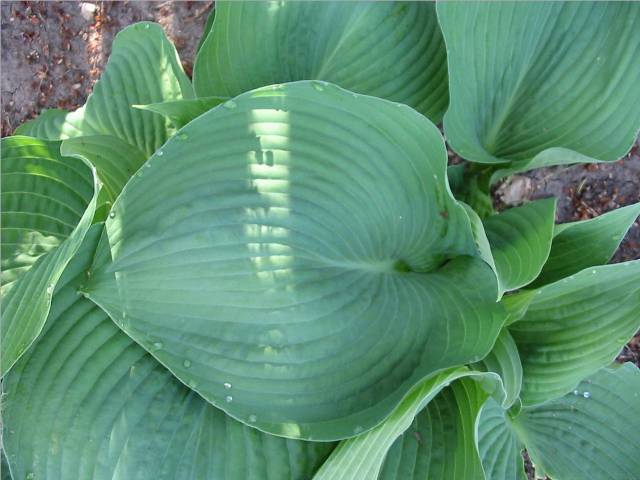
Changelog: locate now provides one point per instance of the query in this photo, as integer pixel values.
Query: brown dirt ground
(53, 52)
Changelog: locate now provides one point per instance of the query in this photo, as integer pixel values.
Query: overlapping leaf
(143, 68)
(114, 160)
(48, 203)
(499, 446)
(590, 433)
(579, 245)
(363, 457)
(505, 361)
(181, 112)
(441, 442)
(281, 279)
(575, 326)
(86, 402)
(540, 83)
(392, 50)
(520, 240)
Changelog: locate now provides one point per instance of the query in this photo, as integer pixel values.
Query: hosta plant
(271, 272)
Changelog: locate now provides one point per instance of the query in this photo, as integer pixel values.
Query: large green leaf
(441, 442)
(574, 327)
(392, 50)
(591, 433)
(363, 457)
(86, 402)
(499, 446)
(505, 361)
(143, 68)
(579, 245)
(520, 240)
(48, 203)
(307, 260)
(530, 82)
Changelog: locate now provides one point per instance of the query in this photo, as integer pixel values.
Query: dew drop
(586, 395)
(160, 153)
(227, 386)
(186, 363)
(146, 27)
(230, 104)
(148, 165)
(157, 345)
(30, 476)
(576, 392)
(112, 214)
(253, 418)
(593, 272)
(50, 288)
(318, 86)
(183, 136)
(228, 399)
(358, 430)
(193, 384)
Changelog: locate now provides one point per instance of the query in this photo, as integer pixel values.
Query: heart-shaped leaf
(307, 260)
(530, 82)
(87, 403)
(392, 50)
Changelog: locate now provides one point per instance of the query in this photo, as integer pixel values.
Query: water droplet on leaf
(186, 363)
(230, 104)
(112, 214)
(157, 345)
(586, 395)
(227, 386)
(183, 136)
(253, 418)
(160, 153)
(228, 399)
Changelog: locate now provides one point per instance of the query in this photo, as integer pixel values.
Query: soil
(53, 53)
